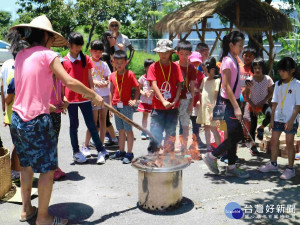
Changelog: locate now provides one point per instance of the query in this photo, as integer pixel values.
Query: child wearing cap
(196, 60)
(184, 50)
(165, 77)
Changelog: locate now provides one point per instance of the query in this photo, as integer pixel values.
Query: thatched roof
(254, 14)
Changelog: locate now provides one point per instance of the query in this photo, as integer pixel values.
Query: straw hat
(43, 23)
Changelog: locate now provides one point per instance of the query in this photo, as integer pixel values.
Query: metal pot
(160, 188)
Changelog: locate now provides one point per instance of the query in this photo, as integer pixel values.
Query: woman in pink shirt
(31, 127)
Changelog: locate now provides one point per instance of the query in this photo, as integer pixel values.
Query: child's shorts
(279, 127)
(144, 107)
(126, 111)
(35, 142)
(184, 116)
(106, 100)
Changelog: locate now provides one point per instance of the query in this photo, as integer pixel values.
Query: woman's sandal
(59, 221)
(30, 216)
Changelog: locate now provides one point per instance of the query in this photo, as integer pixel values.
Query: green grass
(137, 62)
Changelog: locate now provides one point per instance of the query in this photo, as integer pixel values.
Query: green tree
(5, 22)
(62, 14)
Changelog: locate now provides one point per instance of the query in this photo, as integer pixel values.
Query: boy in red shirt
(121, 83)
(166, 78)
(184, 50)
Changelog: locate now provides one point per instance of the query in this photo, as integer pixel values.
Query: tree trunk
(90, 35)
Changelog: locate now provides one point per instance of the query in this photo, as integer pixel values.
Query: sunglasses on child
(112, 37)
(114, 25)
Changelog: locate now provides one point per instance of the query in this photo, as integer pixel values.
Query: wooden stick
(129, 121)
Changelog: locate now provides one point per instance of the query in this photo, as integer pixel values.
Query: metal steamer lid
(147, 164)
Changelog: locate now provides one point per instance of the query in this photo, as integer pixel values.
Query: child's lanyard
(186, 78)
(120, 91)
(99, 73)
(56, 91)
(286, 90)
(164, 72)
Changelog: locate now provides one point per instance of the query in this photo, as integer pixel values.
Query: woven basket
(5, 172)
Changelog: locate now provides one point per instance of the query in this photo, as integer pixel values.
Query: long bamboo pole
(129, 121)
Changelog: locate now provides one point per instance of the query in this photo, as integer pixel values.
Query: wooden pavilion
(250, 16)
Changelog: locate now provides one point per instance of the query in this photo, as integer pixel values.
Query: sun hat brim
(59, 41)
(43, 23)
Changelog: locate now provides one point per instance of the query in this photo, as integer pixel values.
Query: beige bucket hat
(113, 20)
(43, 23)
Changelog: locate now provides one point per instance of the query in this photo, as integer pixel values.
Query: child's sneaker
(211, 162)
(143, 136)
(260, 134)
(254, 151)
(288, 174)
(92, 144)
(268, 168)
(15, 174)
(101, 158)
(119, 155)
(201, 145)
(236, 172)
(85, 151)
(79, 157)
(128, 158)
(58, 173)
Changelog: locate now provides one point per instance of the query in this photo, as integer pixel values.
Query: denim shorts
(279, 127)
(35, 142)
(121, 124)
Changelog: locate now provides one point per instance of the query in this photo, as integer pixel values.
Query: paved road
(107, 194)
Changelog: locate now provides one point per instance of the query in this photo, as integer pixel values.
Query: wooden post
(197, 30)
(215, 43)
(237, 14)
(259, 44)
(271, 55)
(186, 35)
(204, 22)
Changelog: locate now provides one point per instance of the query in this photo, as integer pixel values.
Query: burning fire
(168, 157)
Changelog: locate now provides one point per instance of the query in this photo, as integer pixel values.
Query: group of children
(171, 91)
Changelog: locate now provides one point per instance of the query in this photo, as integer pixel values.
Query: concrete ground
(108, 194)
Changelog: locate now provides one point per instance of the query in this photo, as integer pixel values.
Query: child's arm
(269, 95)
(274, 106)
(2, 96)
(91, 82)
(136, 96)
(157, 92)
(230, 94)
(192, 91)
(247, 92)
(178, 92)
(112, 89)
(141, 89)
(289, 125)
(9, 98)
